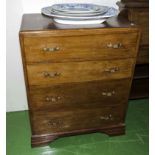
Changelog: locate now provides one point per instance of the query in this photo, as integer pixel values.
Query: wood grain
(55, 122)
(45, 139)
(84, 85)
(34, 24)
(143, 55)
(140, 88)
(137, 11)
(69, 96)
(76, 48)
(140, 16)
(79, 71)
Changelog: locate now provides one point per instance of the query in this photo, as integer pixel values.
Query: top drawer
(72, 48)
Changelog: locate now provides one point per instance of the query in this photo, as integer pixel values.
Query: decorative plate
(78, 8)
(110, 12)
(77, 14)
(78, 22)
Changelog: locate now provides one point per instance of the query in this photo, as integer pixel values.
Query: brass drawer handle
(51, 74)
(112, 70)
(108, 93)
(54, 123)
(107, 117)
(117, 45)
(52, 99)
(51, 49)
(57, 124)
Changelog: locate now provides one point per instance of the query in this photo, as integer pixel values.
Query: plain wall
(16, 93)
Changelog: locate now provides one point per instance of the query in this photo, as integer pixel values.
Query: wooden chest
(137, 11)
(78, 78)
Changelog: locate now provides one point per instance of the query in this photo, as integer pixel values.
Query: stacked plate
(79, 13)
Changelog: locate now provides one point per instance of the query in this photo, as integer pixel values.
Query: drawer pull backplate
(108, 93)
(108, 117)
(52, 99)
(51, 49)
(117, 45)
(51, 74)
(112, 70)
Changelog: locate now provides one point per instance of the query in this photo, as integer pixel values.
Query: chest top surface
(39, 22)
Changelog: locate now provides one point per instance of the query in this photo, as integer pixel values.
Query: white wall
(16, 94)
(35, 5)
(15, 88)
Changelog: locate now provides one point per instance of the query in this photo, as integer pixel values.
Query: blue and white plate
(78, 8)
(79, 22)
(68, 17)
(76, 14)
(111, 12)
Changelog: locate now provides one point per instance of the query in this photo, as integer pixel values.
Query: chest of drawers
(77, 78)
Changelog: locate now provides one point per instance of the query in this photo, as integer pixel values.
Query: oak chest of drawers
(77, 78)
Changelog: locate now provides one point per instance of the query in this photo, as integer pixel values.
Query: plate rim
(48, 13)
(88, 4)
(79, 15)
(73, 22)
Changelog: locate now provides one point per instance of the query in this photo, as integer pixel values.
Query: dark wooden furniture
(78, 78)
(137, 12)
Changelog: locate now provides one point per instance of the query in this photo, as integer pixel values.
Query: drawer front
(46, 122)
(59, 49)
(80, 95)
(46, 74)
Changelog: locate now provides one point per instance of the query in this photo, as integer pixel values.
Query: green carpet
(135, 142)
